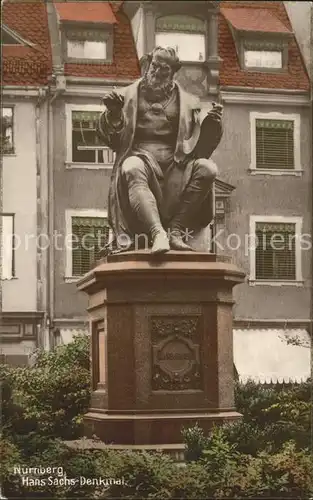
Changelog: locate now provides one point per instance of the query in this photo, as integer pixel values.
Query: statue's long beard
(154, 91)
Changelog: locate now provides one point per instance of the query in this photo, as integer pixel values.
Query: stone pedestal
(162, 355)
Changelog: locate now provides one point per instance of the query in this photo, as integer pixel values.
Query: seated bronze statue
(162, 181)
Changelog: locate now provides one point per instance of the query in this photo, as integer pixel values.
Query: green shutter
(90, 235)
(275, 252)
(275, 144)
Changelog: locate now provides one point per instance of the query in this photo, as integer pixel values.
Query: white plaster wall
(300, 16)
(138, 33)
(19, 197)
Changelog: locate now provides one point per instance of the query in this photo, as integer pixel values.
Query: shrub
(52, 395)
(10, 458)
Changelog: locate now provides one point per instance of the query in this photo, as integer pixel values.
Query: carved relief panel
(176, 358)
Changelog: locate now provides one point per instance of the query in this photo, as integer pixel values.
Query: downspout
(40, 302)
(59, 89)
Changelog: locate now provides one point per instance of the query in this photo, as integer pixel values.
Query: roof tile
(93, 12)
(25, 65)
(249, 19)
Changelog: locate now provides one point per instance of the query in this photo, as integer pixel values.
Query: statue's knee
(132, 166)
(207, 168)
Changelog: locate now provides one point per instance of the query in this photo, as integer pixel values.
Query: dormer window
(88, 45)
(88, 49)
(263, 59)
(186, 34)
(261, 38)
(87, 31)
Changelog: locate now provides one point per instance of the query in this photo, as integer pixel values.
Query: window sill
(9, 279)
(263, 171)
(297, 283)
(10, 155)
(88, 166)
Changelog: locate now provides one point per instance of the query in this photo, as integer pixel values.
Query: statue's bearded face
(159, 77)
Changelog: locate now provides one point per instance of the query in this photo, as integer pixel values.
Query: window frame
(295, 117)
(12, 250)
(69, 108)
(274, 219)
(88, 33)
(69, 214)
(263, 42)
(185, 32)
(10, 106)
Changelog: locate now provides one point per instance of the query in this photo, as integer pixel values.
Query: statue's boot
(177, 243)
(160, 242)
(185, 219)
(144, 206)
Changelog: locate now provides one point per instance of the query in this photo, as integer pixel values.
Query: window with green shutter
(89, 237)
(275, 144)
(275, 251)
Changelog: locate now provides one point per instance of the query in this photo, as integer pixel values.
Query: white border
(68, 114)
(295, 117)
(276, 219)
(69, 278)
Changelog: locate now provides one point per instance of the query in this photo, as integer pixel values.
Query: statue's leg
(143, 202)
(201, 181)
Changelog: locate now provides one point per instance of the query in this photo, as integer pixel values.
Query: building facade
(26, 72)
(243, 54)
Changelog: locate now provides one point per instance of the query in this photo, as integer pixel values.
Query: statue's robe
(194, 140)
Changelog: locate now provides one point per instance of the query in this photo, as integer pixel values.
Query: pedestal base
(162, 356)
(150, 429)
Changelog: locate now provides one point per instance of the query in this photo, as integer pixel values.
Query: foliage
(272, 416)
(49, 398)
(263, 455)
(222, 472)
(195, 442)
(10, 457)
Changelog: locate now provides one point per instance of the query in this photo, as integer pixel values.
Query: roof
(254, 19)
(27, 64)
(92, 12)
(231, 74)
(125, 64)
(272, 355)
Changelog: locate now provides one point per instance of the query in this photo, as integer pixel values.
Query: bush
(221, 473)
(10, 458)
(50, 398)
(271, 417)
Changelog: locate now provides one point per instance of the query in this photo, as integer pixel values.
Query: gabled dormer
(86, 32)
(261, 38)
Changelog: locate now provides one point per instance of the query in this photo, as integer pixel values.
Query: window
(85, 146)
(7, 247)
(7, 144)
(276, 249)
(275, 143)
(88, 45)
(88, 232)
(263, 59)
(185, 34)
(77, 49)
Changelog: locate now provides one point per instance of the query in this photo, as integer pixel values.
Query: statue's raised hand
(114, 103)
(216, 112)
